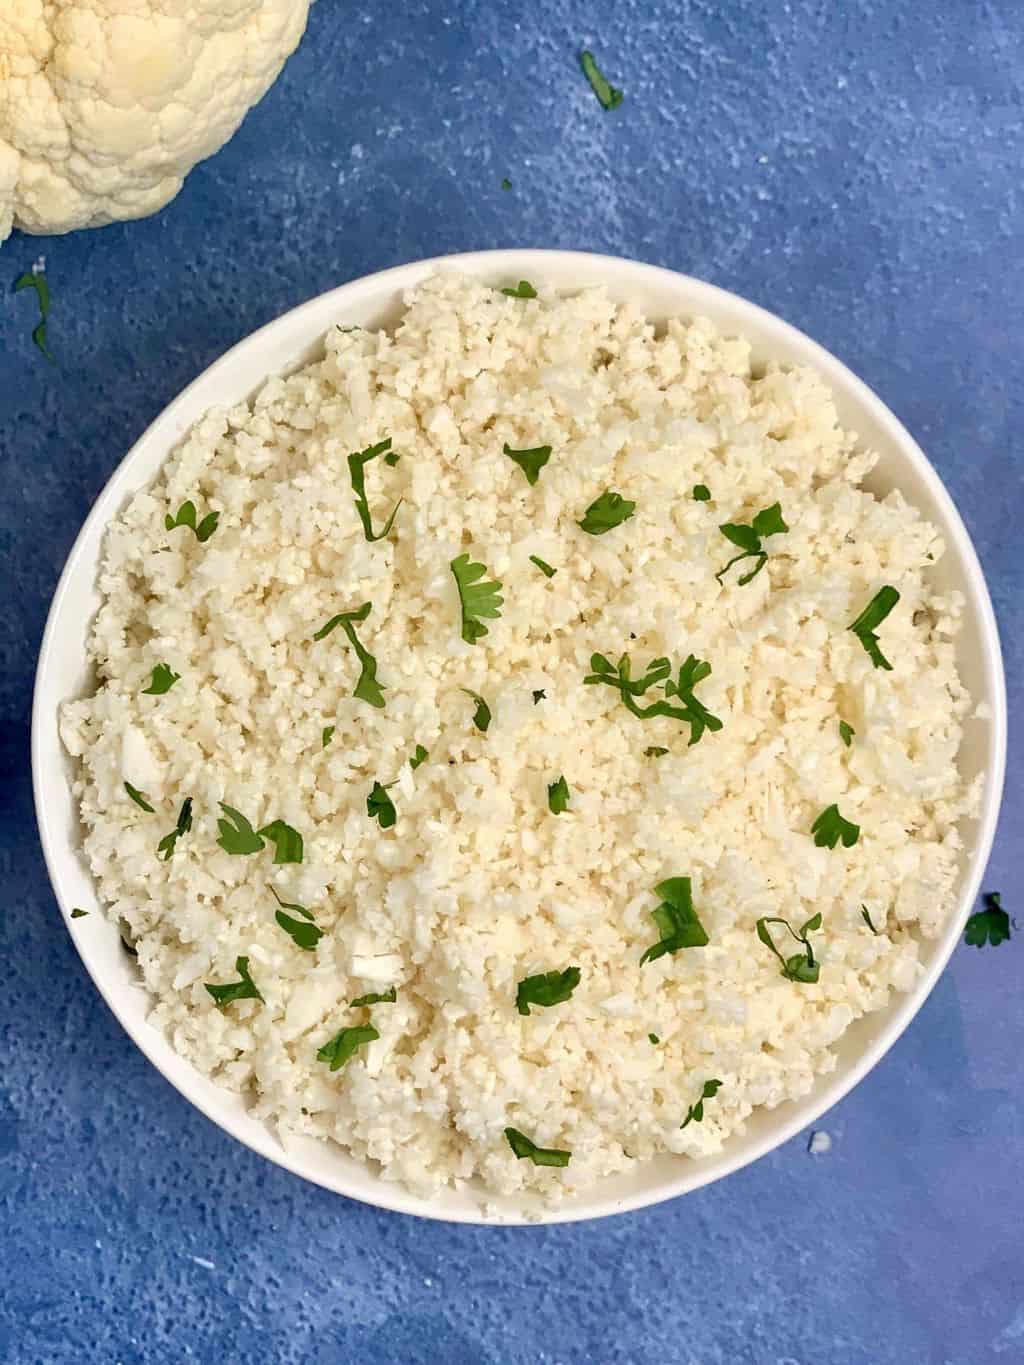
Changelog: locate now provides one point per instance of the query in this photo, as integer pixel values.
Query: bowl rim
(902, 1009)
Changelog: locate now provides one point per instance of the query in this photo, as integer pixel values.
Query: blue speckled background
(854, 166)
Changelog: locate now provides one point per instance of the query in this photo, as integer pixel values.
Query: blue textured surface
(854, 167)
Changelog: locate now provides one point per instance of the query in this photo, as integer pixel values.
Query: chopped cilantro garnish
(991, 925)
(801, 966)
(244, 989)
(138, 798)
(846, 733)
(548, 988)
(693, 671)
(357, 462)
(768, 522)
(545, 569)
(539, 695)
(78, 914)
(345, 1044)
(609, 95)
(531, 462)
(695, 1113)
(37, 281)
(236, 834)
(165, 847)
(866, 917)
(654, 751)
(605, 513)
(476, 600)
(482, 714)
(830, 827)
(506, 184)
(304, 935)
(392, 458)
(287, 841)
(558, 796)
(420, 756)
(676, 918)
(523, 290)
(653, 1038)
(164, 679)
(540, 1156)
(873, 615)
(367, 687)
(186, 516)
(701, 492)
(326, 735)
(375, 998)
(380, 807)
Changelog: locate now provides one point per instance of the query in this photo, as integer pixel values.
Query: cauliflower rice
(478, 885)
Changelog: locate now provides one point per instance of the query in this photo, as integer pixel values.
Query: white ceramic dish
(293, 340)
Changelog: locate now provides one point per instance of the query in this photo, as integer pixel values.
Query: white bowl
(295, 339)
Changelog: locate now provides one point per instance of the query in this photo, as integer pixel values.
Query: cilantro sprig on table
(37, 281)
(609, 96)
(990, 925)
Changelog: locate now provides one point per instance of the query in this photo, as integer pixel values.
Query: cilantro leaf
(693, 671)
(244, 989)
(357, 463)
(420, 756)
(164, 679)
(605, 513)
(991, 925)
(345, 1044)
(236, 834)
(609, 96)
(801, 966)
(165, 847)
(846, 733)
(539, 695)
(522, 1146)
(523, 290)
(545, 569)
(676, 918)
(506, 184)
(866, 917)
(654, 751)
(367, 687)
(37, 281)
(375, 998)
(546, 989)
(380, 807)
(695, 1113)
(326, 735)
(138, 798)
(306, 935)
(186, 516)
(653, 1038)
(873, 615)
(78, 914)
(558, 796)
(768, 522)
(830, 827)
(701, 492)
(287, 841)
(482, 714)
(476, 600)
(531, 462)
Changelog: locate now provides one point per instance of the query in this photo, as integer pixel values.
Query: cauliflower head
(106, 105)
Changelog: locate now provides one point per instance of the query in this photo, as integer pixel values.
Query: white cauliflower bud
(106, 105)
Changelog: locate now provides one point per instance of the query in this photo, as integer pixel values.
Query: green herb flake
(380, 807)
(531, 462)
(506, 184)
(78, 914)
(287, 841)
(522, 1147)
(605, 513)
(476, 600)
(539, 695)
(164, 679)
(420, 756)
(988, 926)
(482, 714)
(610, 96)
(866, 917)
(139, 798)
(38, 282)
(693, 671)
(357, 463)
(768, 522)
(701, 492)
(545, 569)
(367, 687)
(653, 1038)
(558, 796)
(236, 834)
(326, 735)
(391, 459)
(523, 290)
(873, 615)
(243, 989)
(546, 989)
(375, 998)
(830, 827)
(345, 1044)
(186, 516)
(654, 751)
(846, 733)
(695, 1113)
(305, 935)
(801, 966)
(677, 920)
(165, 848)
